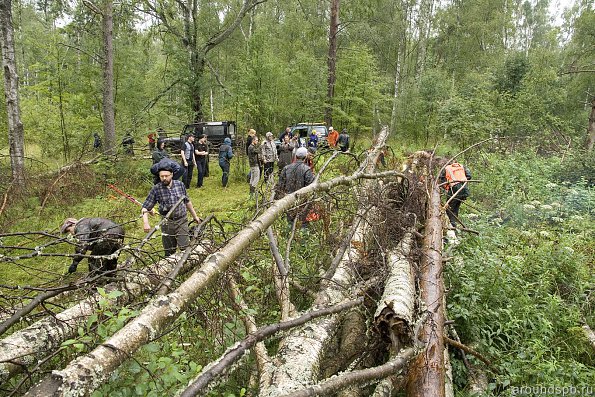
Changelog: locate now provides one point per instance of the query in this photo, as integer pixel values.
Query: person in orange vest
(454, 179)
(332, 137)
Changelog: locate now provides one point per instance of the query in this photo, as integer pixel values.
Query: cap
(67, 223)
(301, 153)
(268, 134)
(227, 141)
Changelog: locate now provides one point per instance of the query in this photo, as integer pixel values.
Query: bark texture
(426, 373)
(23, 348)
(332, 60)
(359, 377)
(394, 315)
(16, 134)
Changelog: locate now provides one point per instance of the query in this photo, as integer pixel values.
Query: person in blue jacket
(225, 155)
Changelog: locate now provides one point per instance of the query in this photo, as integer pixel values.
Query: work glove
(72, 268)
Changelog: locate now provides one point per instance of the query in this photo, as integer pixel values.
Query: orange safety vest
(455, 173)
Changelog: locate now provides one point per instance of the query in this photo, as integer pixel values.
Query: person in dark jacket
(159, 153)
(343, 140)
(254, 160)
(98, 235)
(96, 141)
(225, 155)
(201, 153)
(128, 144)
(286, 151)
(188, 159)
(292, 178)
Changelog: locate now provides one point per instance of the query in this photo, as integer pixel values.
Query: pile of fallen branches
(365, 318)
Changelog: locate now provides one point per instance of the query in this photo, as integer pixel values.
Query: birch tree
(16, 132)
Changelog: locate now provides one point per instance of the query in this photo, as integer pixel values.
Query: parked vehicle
(304, 130)
(216, 132)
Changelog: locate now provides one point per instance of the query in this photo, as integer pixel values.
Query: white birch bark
(22, 349)
(394, 314)
(88, 372)
(298, 360)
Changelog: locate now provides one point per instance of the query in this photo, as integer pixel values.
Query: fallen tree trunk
(298, 359)
(23, 348)
(394, 314)
(426, 372)
(88, 372)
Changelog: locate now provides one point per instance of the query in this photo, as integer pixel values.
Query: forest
(378, 295)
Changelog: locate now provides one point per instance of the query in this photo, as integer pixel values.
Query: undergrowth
(522, 288)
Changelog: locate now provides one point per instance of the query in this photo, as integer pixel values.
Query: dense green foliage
(523, 287)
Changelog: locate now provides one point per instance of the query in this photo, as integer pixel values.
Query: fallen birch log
(88, 372)
(298, 360)
(23, 348)
(394, 314)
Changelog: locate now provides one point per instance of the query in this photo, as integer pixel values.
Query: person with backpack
(225, 155)
(454, 179)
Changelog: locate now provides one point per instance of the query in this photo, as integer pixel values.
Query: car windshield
(214, 130)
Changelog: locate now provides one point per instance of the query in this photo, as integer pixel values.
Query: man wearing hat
(100, 236)
(294, 177)
(174, 231)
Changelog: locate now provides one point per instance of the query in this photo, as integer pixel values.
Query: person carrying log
(174, 231)
(454, 179)
(102, 237)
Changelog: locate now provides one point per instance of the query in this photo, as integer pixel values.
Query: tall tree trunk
(591, 129)
(109, 123)
(426, 372)
(332, 60)
(16, 133)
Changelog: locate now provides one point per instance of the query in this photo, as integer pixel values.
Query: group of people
(104, 238)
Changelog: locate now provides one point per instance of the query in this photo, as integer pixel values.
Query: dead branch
(469, 350)
(300, 353)
(235, 352)
(22, 348)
